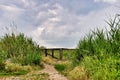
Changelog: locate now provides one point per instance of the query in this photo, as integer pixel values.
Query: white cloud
(11, 8)
(62, 27)
(107, 1)
(57, 27)
(52, 24)
(11, 11)
(28, 3)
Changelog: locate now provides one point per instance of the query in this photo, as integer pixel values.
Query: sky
(56, 23)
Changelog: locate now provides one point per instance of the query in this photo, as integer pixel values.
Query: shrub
(60, 67)
(100, 42)
(3, 56)
(109, 66)
(21, 49)
(64, 67)
(99, 53)
(32, 59)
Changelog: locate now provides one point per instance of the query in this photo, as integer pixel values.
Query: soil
(49, 69)
(53, 74)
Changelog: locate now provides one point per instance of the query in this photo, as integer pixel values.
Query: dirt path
(53, 74)
(49, 69)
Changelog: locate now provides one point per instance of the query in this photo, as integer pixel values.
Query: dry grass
(49, 60)
(78, 73)
(13, 67)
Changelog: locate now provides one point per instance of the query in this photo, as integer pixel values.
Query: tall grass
(99, 52)
(2, 59)
(21, 49)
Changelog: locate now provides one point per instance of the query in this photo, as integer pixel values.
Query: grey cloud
(54, 23)
(74, 27)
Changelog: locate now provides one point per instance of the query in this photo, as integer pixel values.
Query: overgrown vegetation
(99, 53)
(63, 67)
(97, 56)
(17, 54)
(78, 73)
(2, 60)
(21, 49)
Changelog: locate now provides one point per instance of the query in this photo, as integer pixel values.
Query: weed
(60, 67)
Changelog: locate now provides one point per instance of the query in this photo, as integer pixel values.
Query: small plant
(60, 67)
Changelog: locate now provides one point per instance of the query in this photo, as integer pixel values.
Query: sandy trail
(53, 74)
(49, 69)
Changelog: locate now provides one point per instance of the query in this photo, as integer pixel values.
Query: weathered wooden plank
(61, 54)
(52, 53)
(46, 52)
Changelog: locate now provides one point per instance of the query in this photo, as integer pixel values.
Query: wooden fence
(53, 50)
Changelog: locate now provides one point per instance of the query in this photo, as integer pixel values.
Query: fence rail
(52, 51)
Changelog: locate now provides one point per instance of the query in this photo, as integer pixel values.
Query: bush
(100, 42)
(33, 59)
(3, 56)
(68, 66)
(21, 49)
(109, 66)
(99, 53)
(60, 67)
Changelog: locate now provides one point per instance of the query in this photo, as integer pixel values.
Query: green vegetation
(2, 60)
(21, 49)
(97, 56)
(67, 54)
(63, 67)
(17, 73)
(60, 67)
(99, 53)
(17, 54)
(78, 73)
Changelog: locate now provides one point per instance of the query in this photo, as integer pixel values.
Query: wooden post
(45, 52)
(61, 54)
(52, 53)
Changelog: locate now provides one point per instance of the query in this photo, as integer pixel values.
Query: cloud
(11, 9)
(107, 1)
(56, 23)
(28, 3)
(8, 14)
(60, 28)
(57, 28)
